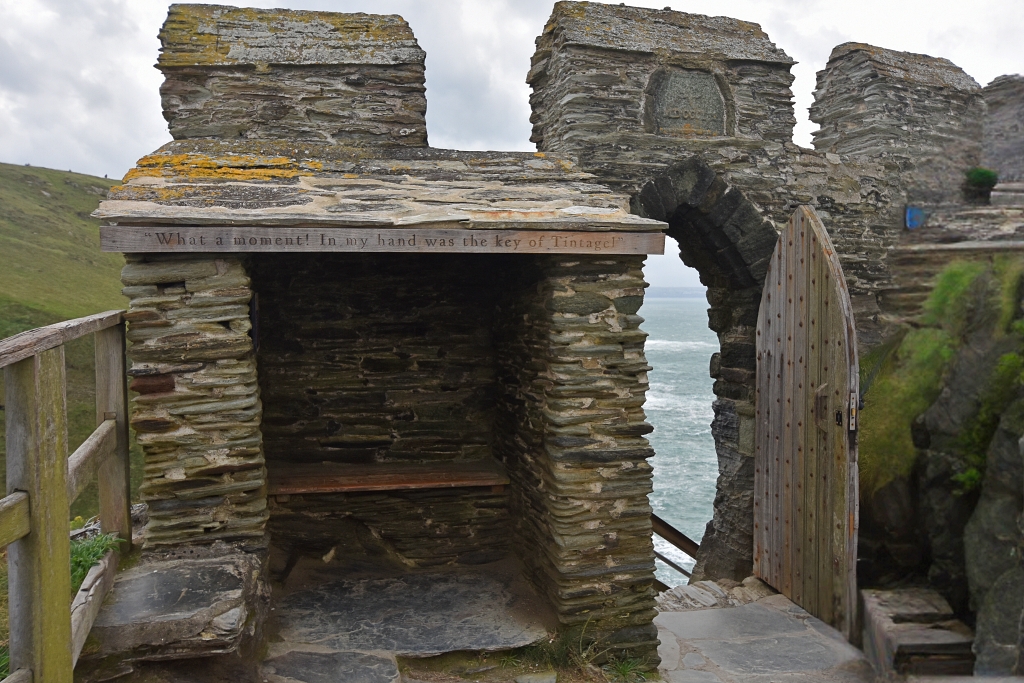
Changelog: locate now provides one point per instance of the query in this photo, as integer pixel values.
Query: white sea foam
(670, 345)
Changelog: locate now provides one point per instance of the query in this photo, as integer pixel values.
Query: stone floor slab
(176, 608)
(417, 614)
(730, 622)
(331, 667)
(768, 641)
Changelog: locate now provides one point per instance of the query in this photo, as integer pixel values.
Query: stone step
(1007, 194)
(912, 631)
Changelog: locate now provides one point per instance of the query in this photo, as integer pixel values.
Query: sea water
(678, 405)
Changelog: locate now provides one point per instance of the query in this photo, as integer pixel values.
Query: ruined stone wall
(920, 116)
(1004, 128)
(634, 96)
(197, 413)
(269, 74)
(382, 358)
(571, 433)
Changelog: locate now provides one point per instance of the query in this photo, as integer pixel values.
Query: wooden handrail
(674, 536)
(82, 463)
(47, 631)
(672, 564)
(33, 342)
(14, 520)
(20, 676)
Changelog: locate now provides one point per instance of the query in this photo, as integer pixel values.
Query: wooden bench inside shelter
(328, 477)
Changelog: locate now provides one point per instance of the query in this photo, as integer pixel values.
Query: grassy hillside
(52, 269)
(51, 258)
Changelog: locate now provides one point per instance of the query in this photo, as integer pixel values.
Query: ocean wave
(691, 406)
(669, 345)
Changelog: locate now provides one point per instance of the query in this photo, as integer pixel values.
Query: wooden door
(805, 476)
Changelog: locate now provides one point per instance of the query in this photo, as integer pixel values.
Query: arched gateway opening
(729, 242)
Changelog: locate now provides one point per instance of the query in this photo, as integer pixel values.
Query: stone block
(270, 74)
(167, 608)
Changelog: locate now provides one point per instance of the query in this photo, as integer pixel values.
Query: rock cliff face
(1004, 128)
(994, 541)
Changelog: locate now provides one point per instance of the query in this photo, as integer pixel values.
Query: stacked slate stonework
(921, 117)
(573, 379)
(245, 73)
(693, 116)
(198, 410)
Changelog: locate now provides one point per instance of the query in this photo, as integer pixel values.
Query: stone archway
(726, 238)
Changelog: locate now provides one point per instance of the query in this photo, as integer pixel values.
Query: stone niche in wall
(382, 359)
(681, 102)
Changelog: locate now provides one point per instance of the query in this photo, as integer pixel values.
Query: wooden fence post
(112, 401)
(39, 563)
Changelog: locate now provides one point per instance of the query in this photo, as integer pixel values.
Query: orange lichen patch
(226, 167)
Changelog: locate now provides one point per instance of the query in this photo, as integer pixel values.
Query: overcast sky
(78, 89)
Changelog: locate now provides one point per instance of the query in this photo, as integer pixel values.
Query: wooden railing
(676, 538)
(47, 631)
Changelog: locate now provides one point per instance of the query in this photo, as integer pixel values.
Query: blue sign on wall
(914, 217)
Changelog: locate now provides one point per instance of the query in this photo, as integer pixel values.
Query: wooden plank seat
(327, 477)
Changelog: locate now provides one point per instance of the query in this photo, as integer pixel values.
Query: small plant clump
(625, 671)
(982, 178)
(87, 552)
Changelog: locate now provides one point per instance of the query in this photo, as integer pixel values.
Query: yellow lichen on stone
(223, 167)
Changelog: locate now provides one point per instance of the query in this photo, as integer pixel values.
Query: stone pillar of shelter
(571, 433)
(197, 410)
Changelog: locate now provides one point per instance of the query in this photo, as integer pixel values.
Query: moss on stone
(906, 376)
(909, 381)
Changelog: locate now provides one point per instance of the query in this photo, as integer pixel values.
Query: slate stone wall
(376, 358)
(382, 358)
(197, 413)
(233, 73)
(920, 116)
(571, 432)
(1004, 128)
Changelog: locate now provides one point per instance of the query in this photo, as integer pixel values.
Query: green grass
(86, 553)
(53, 270)
(52, 261)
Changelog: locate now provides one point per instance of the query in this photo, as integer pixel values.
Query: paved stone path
(767, 641)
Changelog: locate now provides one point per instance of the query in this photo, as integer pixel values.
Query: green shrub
(982, 178)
